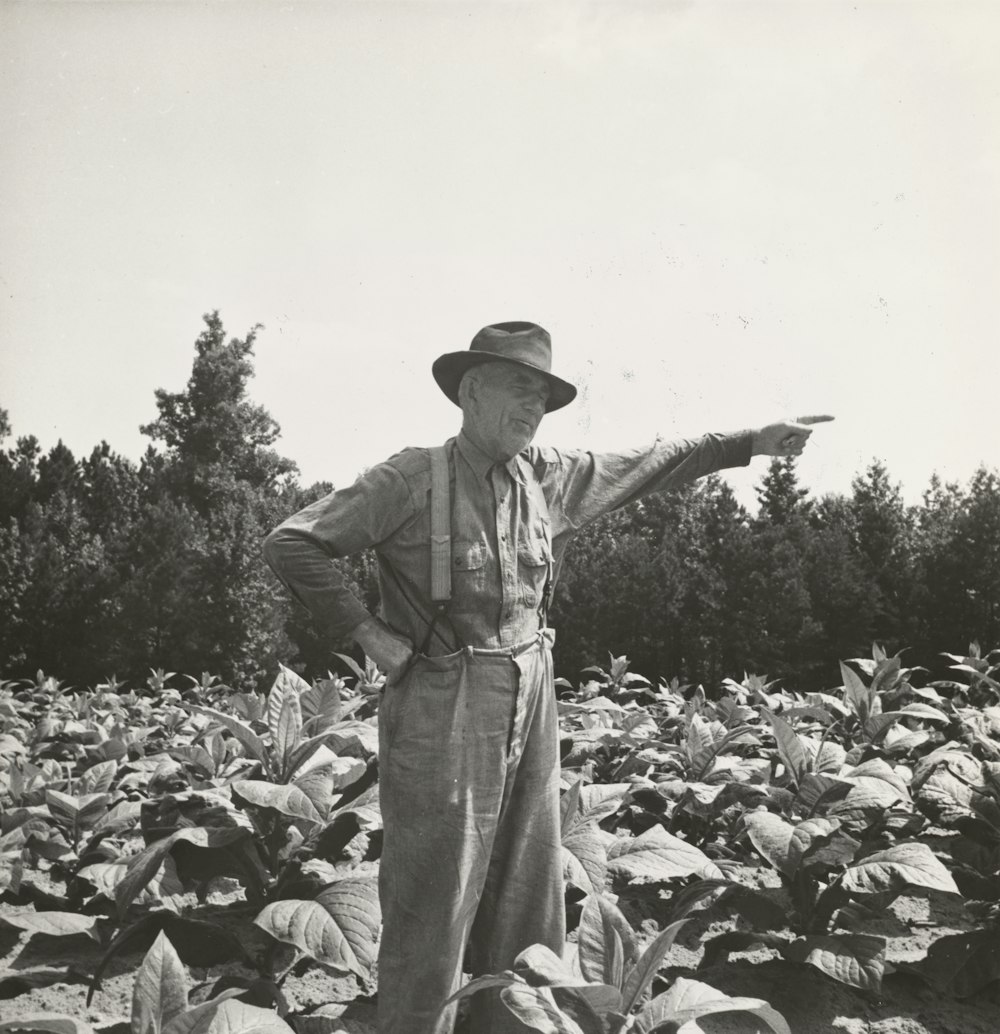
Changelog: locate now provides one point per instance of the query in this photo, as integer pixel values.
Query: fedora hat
(526, 344)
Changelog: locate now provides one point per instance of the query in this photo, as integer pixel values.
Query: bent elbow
(272, 549)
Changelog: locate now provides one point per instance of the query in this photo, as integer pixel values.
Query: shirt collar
(482, 464)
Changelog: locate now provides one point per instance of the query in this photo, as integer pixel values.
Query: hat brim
(449, 369)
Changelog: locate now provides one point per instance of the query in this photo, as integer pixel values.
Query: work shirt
(511, 524)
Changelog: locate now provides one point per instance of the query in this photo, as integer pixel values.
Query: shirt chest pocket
(468, 565)
(534, 559)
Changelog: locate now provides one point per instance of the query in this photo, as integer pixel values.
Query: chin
(512, 447)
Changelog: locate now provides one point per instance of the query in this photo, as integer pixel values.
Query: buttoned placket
(506, 516)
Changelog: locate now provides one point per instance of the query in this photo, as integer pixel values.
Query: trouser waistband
(543, 637)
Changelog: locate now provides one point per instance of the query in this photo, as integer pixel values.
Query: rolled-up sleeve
(302, 550)
(586, 485)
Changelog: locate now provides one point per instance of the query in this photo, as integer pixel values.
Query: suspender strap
(440, 527)
(440, 539)
(543, 607)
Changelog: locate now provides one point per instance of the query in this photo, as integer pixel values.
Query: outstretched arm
(786, 438)
(581, 486)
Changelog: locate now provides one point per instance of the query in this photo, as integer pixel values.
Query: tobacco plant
(605, 987)
(824, 869)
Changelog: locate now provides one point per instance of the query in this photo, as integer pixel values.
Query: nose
(537, 406)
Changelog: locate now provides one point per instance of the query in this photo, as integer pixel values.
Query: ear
(468, 388)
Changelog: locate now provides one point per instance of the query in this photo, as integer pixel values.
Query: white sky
(724, 214)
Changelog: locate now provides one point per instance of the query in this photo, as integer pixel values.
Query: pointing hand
(787, 438)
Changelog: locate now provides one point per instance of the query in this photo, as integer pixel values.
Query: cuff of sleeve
(350, 614)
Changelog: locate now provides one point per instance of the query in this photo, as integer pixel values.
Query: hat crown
(517, 340)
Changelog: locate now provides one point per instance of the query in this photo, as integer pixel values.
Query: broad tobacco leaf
(590, 803)
(317, 785)
(11, 865)
(589, 1006)
(536, 1008)
(47, 1024)
(287, 685)
(585, 858)
(338, 928)
(365, 808)
(688, 1000)
(196, 758)
(855, 959)
(287, 732)
(124, 815)
(232, 1017)
(638, 979)
(940, 784)
(160, 990)
(858, 696)
(79, 812)
(818, 793)
(237, 842)
(875, 787)
(783, 845)
(925, 712)
(539, 966)
(355, 739)
(253, 745)
(52, 924)
(98, 778)
(321, 705)
(345, 770)
(791, 750)
(164, 886)
(877, 725)
(900, 741)
(704, 746)
(606, 944)
(284, 798)
(581, 810)
(542, 967)
(657, 856)
(912, 865)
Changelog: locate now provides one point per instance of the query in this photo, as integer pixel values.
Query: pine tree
(883, 538)
(220, 474)
(779, 493)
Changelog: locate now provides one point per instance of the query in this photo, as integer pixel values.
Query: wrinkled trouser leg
(469, 789)
(523, 900)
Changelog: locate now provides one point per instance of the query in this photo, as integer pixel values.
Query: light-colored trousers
(469, 786)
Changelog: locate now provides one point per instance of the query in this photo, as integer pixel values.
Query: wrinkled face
(503, 405)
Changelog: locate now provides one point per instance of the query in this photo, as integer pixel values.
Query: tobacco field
(178, 857)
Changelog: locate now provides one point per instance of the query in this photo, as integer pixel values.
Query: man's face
(505, 406)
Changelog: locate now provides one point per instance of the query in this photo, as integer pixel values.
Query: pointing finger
(813, 419)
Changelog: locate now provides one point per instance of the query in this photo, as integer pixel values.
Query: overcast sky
(724, 213)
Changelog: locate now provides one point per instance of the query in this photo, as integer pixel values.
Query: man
(468, 737)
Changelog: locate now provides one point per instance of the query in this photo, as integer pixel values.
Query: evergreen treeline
(111, 567)
(690, 584)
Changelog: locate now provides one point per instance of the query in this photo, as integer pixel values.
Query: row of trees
(692, 584)
(108, 566)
